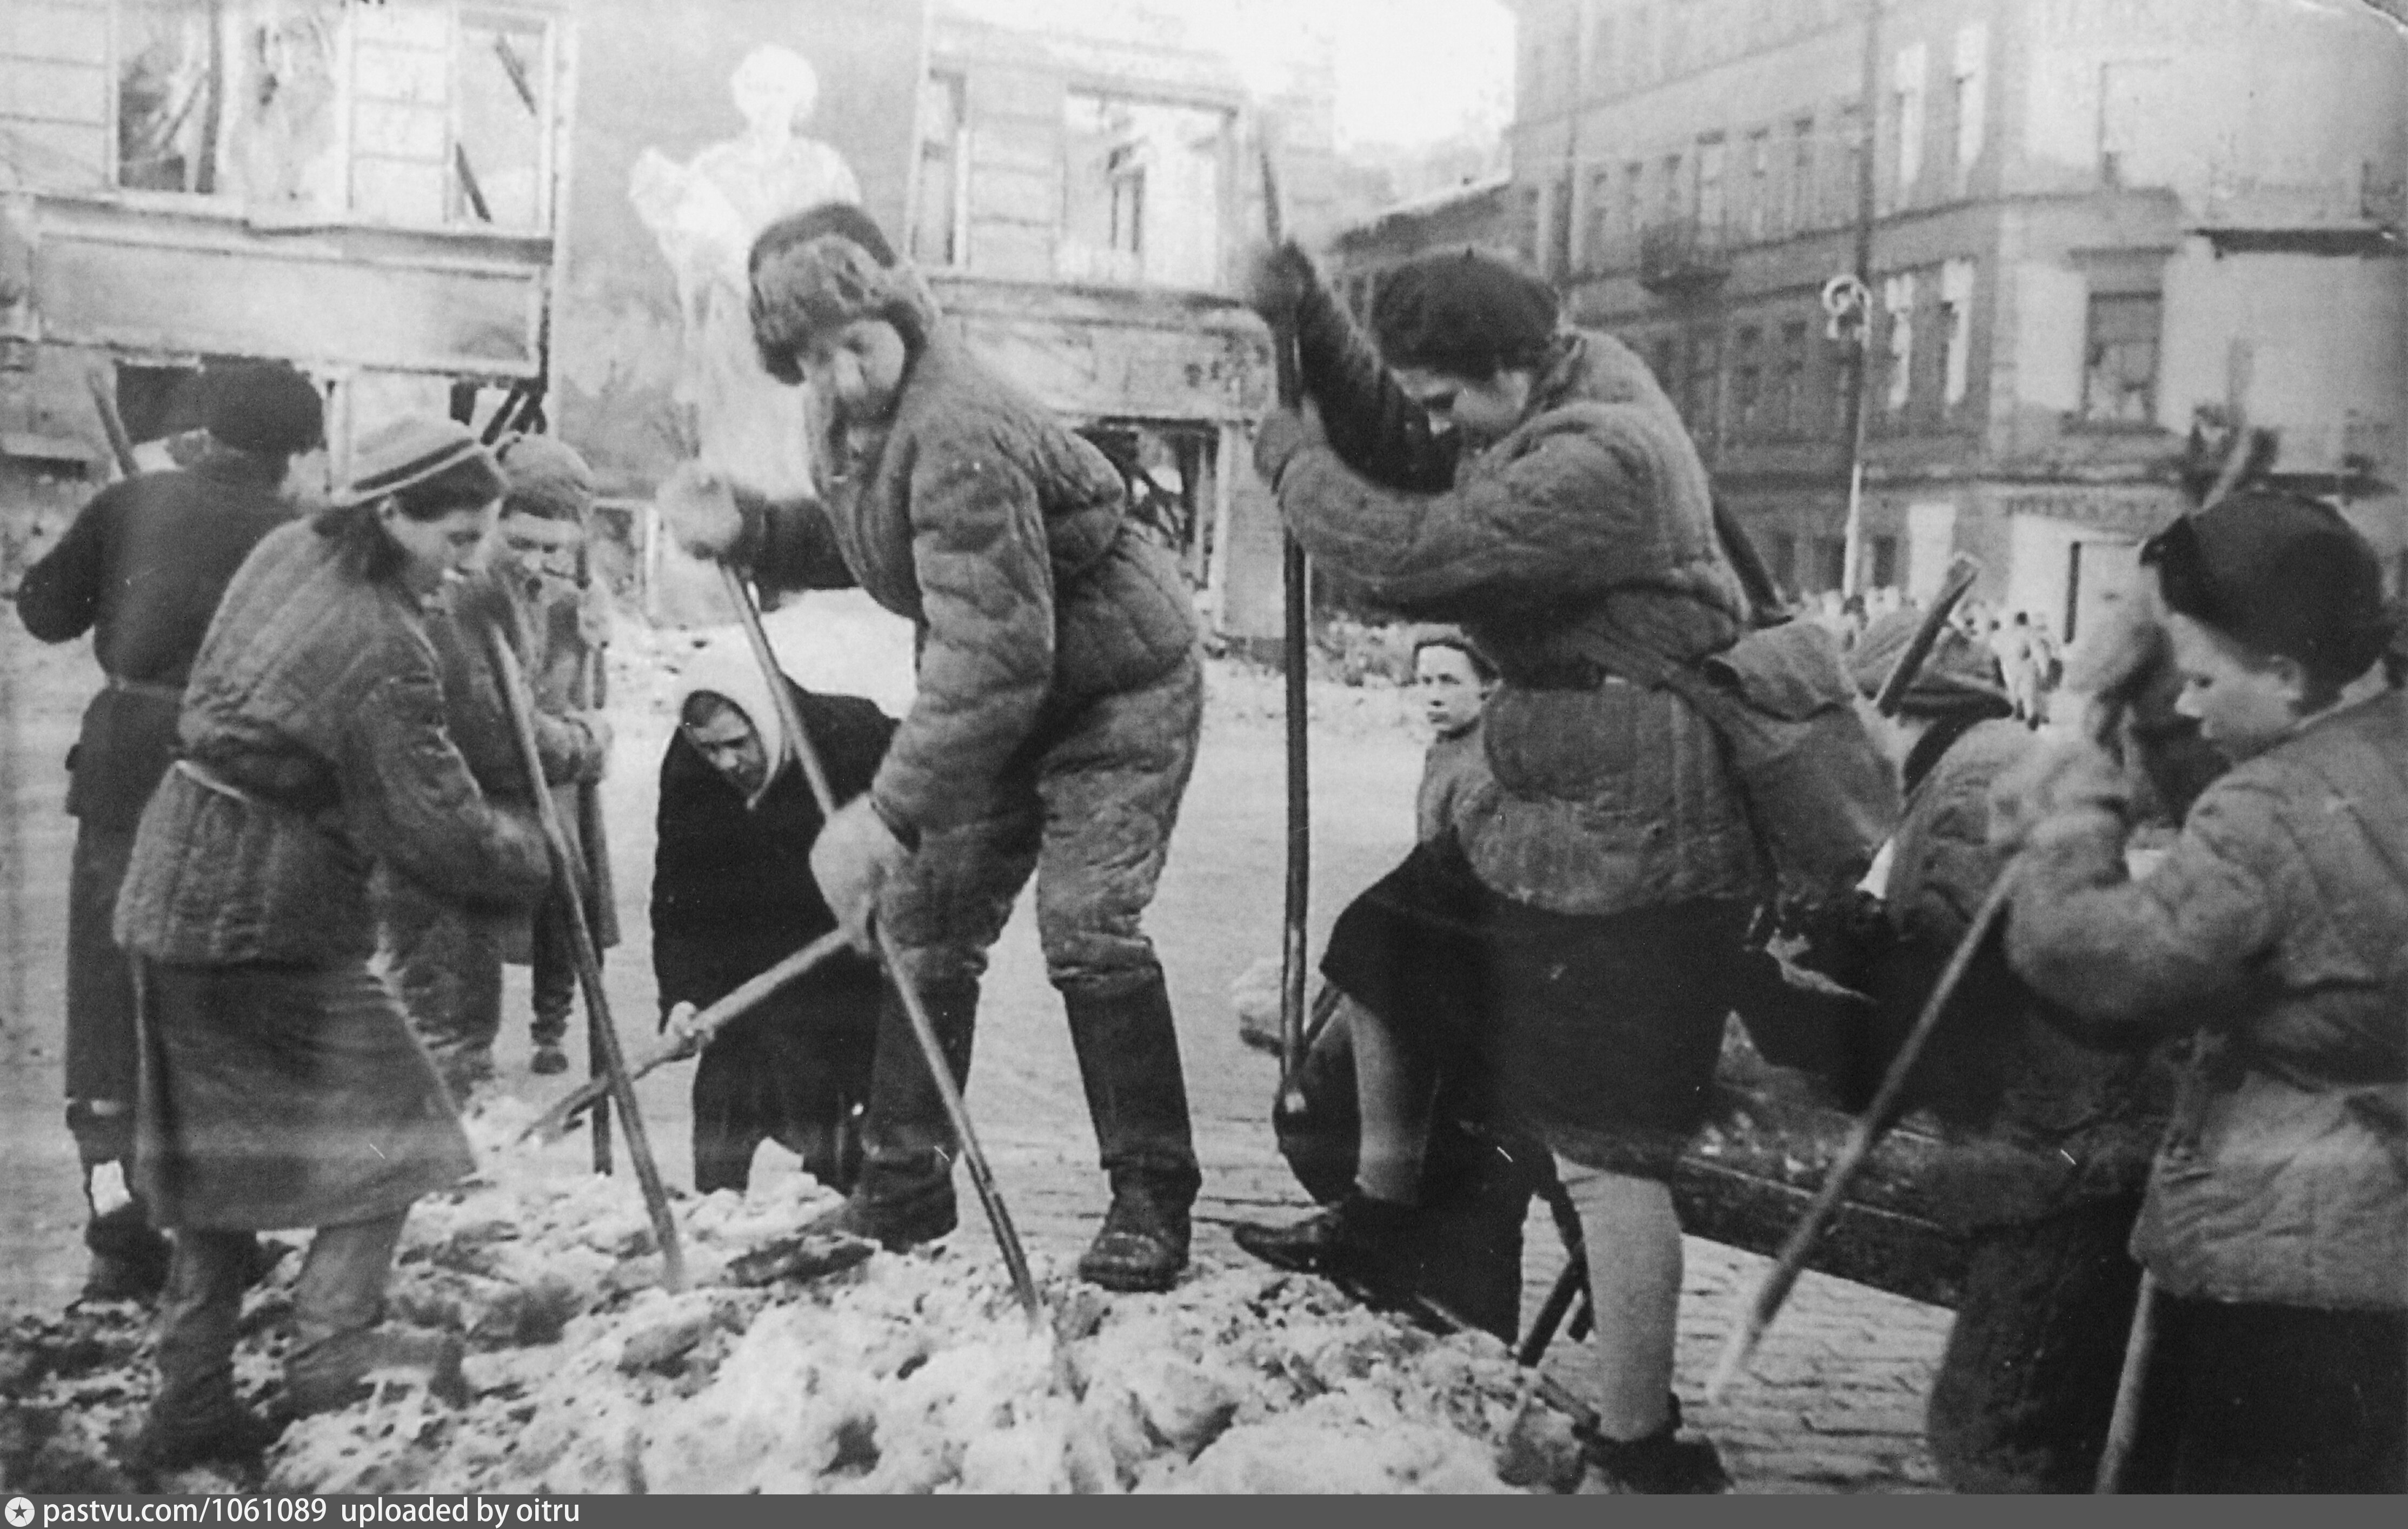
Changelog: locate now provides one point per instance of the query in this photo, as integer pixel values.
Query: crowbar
(1296, 596)
(621, 1087)
(923, 1029)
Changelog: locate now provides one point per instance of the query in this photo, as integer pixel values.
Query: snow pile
(909, 1373)
(902, 1373)
(917, 1373)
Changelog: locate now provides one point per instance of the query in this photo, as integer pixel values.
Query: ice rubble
(909, 1373)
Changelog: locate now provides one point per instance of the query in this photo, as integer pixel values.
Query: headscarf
(728, 670)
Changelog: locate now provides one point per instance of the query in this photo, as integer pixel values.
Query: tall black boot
(1136, 1096)
(905, 1193)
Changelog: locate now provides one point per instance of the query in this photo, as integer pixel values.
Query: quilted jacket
(315, 716)
(1005, 538)
(1594, 512)
(2276, 933)
(2035, 1120)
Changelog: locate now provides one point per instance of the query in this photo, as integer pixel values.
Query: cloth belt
(148, 689)
(208, 779)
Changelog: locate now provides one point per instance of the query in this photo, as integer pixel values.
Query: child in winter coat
(733, 895)
(2274, 935)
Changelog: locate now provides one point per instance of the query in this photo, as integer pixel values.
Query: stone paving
(1835, 1403)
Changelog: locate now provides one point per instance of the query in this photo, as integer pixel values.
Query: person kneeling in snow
(733, 894)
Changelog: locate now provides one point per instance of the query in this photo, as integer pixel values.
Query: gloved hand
(697, 508)
(1276, 279)
(854, 855)
(1283, 434)
(2063, 786)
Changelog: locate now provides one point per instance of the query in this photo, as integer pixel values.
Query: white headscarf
(728, 670)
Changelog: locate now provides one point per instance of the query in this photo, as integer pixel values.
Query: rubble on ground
(914, 1372)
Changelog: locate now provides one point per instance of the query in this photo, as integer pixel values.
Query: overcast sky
(1410, 71)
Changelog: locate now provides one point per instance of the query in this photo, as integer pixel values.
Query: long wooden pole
(1869, 1128)
(2124, 1427)
(697, 1033)
(1296, 589)
(565, 882)
(923, 1029)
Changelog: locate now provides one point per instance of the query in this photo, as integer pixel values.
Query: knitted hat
(1467, 312)
(1958, 674)
(823, 283)
(548, 479)
(264, 408)
(2281, 574)
(412, 450)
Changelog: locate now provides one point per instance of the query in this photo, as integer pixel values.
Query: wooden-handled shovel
(923, 1029)
(697, 1033)
(565, 875)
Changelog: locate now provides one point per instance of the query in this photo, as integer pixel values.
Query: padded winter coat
(1005, 538)
(142, 568)
(315, 718)
(2037, 1121)
(2276, 930)
(1603, 795)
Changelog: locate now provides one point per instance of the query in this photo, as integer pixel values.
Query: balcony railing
(1683, 255)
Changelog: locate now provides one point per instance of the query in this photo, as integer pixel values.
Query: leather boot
(1137, 1097)
(335, 1373)
(905, 1193)
(1359, 1242)
(193, 1414)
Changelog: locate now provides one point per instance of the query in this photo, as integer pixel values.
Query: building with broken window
(2090, 219)
(371, 191)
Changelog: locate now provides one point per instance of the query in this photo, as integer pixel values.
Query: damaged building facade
(370, 191)
(1085, 185)
(383, 194)
(2090, 219)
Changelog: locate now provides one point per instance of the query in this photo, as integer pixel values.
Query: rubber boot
(905, 1193)
(1136, 1096)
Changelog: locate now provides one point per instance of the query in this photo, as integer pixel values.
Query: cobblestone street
(1836, 1399)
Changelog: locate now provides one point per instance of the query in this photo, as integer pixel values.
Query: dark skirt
(1598, 1032)
(2274, 1398)
(285, 1096)
(2028, 1384)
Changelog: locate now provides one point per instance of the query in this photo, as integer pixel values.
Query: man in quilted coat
(1060, 698)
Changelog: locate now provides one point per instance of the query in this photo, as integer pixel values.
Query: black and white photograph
(1200, 747)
